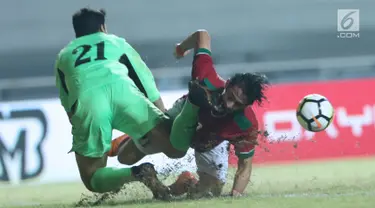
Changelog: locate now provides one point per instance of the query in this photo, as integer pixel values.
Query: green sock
(184, 127)
(110, 179)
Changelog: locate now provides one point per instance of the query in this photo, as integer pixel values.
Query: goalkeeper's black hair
(88, 21)
(253, 86)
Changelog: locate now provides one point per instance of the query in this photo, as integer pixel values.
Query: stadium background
(294, 42)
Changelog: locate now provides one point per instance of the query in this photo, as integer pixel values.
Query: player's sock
(184, 127)
(110, 179)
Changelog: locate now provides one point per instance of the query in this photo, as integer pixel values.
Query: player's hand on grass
(179, 52)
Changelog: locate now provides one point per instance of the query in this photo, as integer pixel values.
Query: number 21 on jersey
(81, 59)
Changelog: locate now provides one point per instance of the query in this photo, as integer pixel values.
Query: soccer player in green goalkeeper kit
(104, 85)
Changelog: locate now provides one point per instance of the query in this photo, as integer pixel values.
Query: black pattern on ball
(309, 122)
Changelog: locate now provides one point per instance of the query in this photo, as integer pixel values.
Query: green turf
(334, 184)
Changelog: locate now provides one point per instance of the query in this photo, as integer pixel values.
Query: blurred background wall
(289, 40)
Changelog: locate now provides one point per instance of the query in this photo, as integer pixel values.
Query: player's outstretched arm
(198, 40)
(203, 67)
(242, 177)
(245, 150)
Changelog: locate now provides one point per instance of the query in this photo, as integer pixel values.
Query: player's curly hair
(88, 21)
(252, 84)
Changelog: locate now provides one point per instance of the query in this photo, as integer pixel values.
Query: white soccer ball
(315, 113)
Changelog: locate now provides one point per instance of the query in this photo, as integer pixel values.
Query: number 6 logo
(346, 19)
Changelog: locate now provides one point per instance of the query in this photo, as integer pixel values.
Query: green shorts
(118, 106)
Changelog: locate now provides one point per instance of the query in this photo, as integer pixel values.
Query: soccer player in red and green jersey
(225, 114)
(228, 116)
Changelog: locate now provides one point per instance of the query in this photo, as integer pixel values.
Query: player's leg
(92, 134)
(179, 112)
(208, 185)
(127, 146)
(148, 126)
(116, 144)
(184, 182)
(185, 123)
(171, 136)
(212, 171)
(99, 178)
(212, 168)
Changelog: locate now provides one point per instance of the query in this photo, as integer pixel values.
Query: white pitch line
(314, 195)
